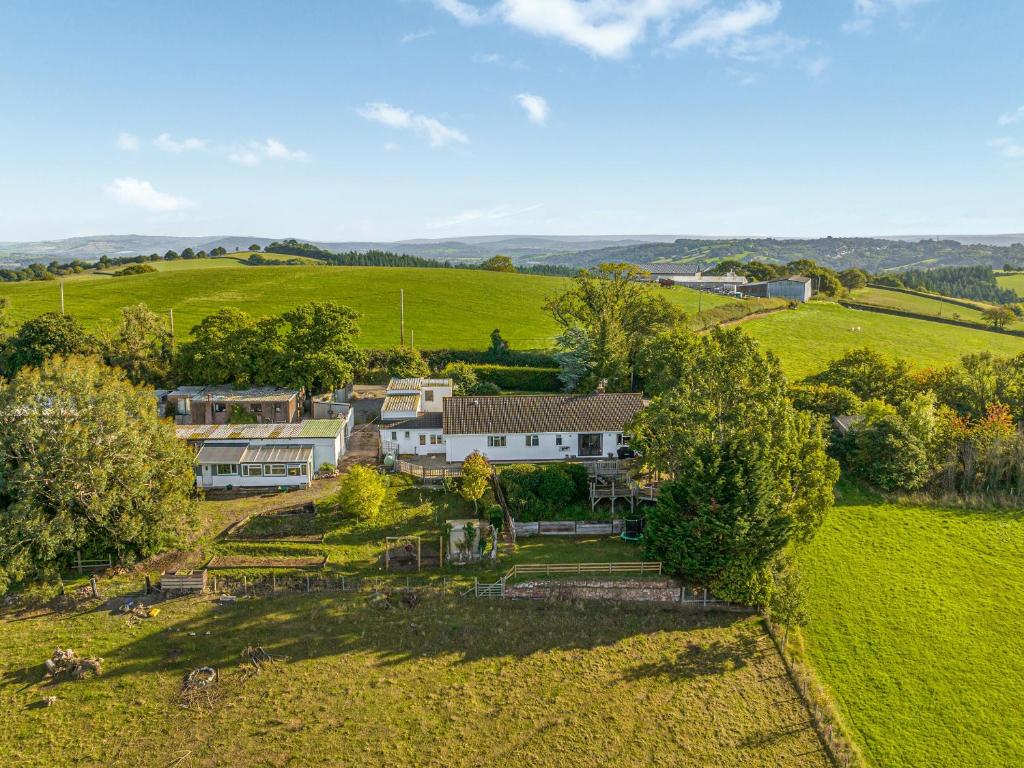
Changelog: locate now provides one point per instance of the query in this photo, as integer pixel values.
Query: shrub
(134, 269)
(361, 492)
(543, 491)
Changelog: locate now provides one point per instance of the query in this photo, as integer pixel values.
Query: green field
(922, 305)
(443, 307)
(916, 626)
(1014, 281)
(451, 682)
(806, 339)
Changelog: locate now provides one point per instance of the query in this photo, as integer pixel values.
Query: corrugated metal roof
(400, 403)
(416, 384)
(277, 454)
(320, 428)
(308, 428)
(220, 454)
(223, 394)
(671, 269)
(540, 413)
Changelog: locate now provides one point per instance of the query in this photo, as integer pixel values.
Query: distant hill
(873, 254)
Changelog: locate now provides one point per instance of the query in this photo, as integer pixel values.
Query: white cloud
(474, 214)
(716, 27)
(139, 193)
(255, 152)
(418, 34)
(536, 107)
(486, 58)
(466, 13)
(816, 67)
(607, 28)
(1012, 117)
(436, 132)
(127, 142)
(866, 12)
(1008, 147)
(165, 143)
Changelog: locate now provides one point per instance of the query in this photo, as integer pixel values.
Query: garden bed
(295, 524)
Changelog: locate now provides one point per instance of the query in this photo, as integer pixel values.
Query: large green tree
(85, 464)
(870, 375)
(46, 336)
(223, 348)
(749, 473)
(319, 348)
(614, 314)
(141, 346)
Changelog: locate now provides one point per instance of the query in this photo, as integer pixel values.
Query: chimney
(601, 386)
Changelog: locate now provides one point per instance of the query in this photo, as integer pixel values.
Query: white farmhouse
(530, 428)
(410, 418)
(264, 455)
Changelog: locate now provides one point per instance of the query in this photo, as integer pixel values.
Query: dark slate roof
(431, 420)
(540, 413)
(670, 269)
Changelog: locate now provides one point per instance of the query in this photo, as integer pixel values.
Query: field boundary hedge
(524, 378)
(930, 318)
(733, 313)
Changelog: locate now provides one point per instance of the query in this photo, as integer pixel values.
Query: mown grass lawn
(807, 338)
(443, 307)
(917, 627)
(451, 682)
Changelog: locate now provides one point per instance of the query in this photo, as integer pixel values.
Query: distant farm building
(222, 405)
(794, 288)
(693, 276)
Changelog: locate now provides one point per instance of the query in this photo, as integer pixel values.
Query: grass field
(1014, 281)
(916, 623)
(920, 304)
(444, 308)
(806, 339)
(451, 682)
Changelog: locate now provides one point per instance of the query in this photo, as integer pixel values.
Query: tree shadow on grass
(310, 626)
(717, 657)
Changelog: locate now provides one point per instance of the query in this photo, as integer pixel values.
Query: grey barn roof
(540, 413)
(671, 269)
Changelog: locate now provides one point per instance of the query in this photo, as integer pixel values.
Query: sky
(392, 119)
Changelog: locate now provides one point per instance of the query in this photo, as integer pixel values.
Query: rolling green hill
(1013, 281)
(915, 627)
(443, 307)
(806, 339)
(924, 305)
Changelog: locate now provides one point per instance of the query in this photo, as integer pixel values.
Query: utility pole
(401, 309)
(62, 297)
(172, 331)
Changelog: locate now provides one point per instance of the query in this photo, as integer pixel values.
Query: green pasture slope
(443, 307)
(917, 627)
(923, 305)
(1014, 280)
(807, 338)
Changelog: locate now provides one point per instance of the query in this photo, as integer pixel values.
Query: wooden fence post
(245, 584)
(78, 557)
(92, 583)
(307, 582)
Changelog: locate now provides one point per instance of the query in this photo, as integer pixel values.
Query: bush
(134, 269)
(439, 358)
(361, 492)
(544, 491)
(399, 362)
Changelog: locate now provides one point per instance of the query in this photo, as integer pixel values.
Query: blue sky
(434, 118)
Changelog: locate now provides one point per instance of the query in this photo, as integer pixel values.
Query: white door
(207, 475)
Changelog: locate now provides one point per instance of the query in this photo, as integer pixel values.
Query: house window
(256, 408)
(406, 435)
(437, 439)
(423, 439)
(532, 441)
(225, 469)
(252, 470)
(274, 470)
(558, 440)
(496, 441)
(590, 444)
(620, 439)
(394, 436)
(428, 395)
(219, 407)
